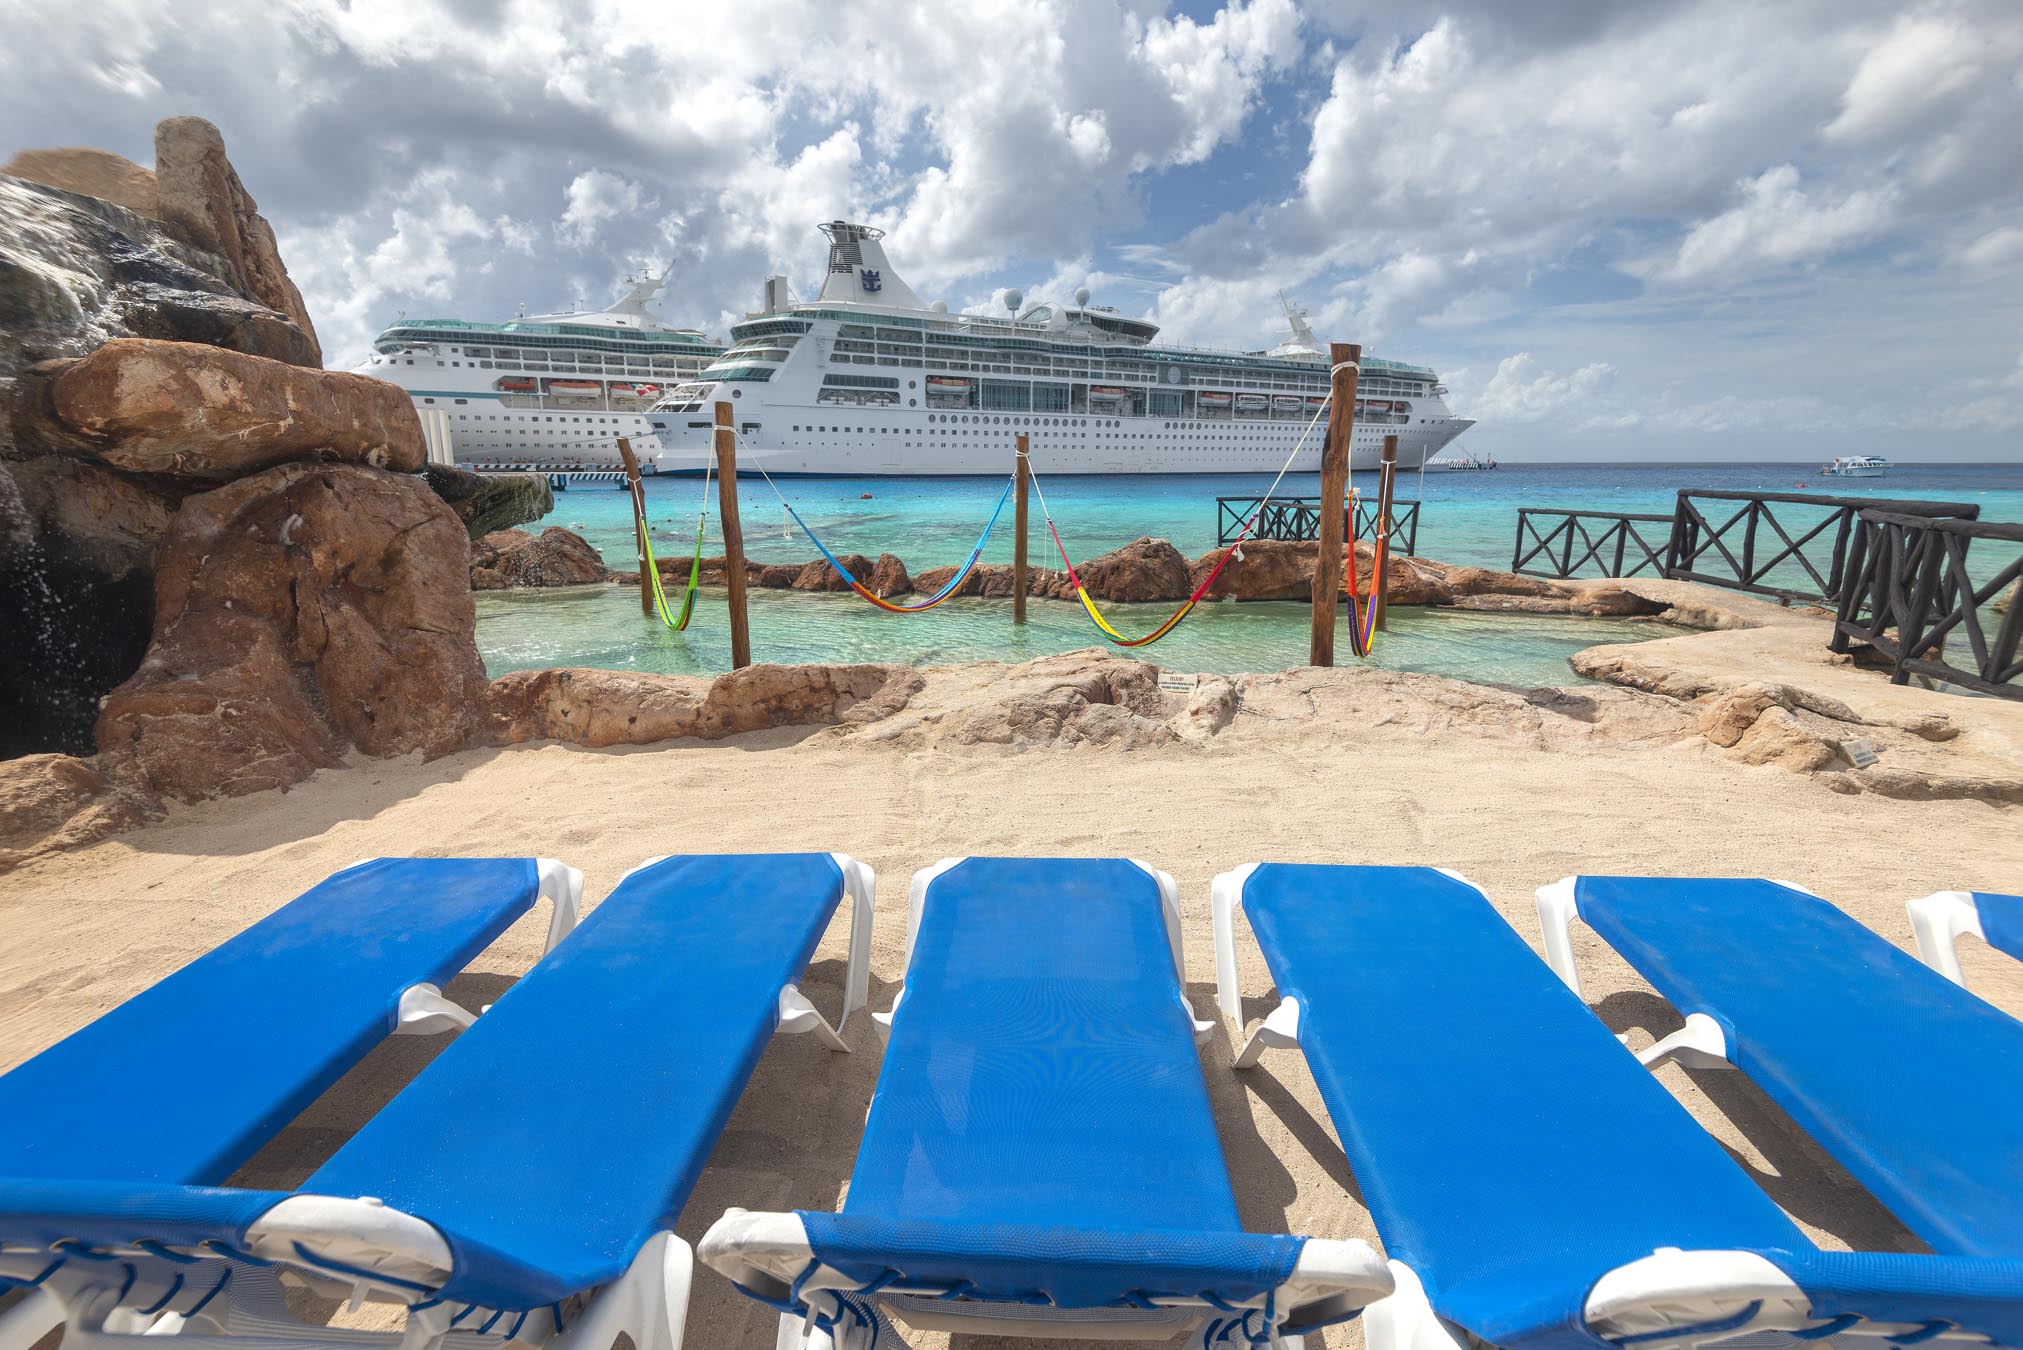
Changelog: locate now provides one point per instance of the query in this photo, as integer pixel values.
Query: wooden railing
(1295, 518)
(1751, 548)
(1608, 539)
(1912, 586)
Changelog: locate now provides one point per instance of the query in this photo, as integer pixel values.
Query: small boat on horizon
(1466, 463)
(1855, 466)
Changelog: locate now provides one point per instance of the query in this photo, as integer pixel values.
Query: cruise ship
(552, 391)
(868, 379)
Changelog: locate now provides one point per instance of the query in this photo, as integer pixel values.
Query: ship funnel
(858, 273)
(775, 299)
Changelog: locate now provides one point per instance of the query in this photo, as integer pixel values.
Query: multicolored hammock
(675, 622)
(954, 582)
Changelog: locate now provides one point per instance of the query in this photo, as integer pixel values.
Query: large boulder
(192, 411)
(1144, 569)
(509, 559)
(299, 612)
(1270, 569)
(198, 191)
(888, 577)
(486, 502)
(820, 576)
(623, 707)
(93, 173)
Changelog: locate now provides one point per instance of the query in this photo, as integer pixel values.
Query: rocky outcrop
(486, 502)
(1144, 569)
(51, 802)
(190, 411)
(507, 559)
(820, 576)
(616, 707)
(91, 173)
(299, 612)
(198, 191)
(889, 578)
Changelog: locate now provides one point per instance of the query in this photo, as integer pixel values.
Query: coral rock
(94, 173)
(486, 502)
(888, 577)
(192, 411)
(198, 191)
(622, 707)
(508, 559)
(299, 612)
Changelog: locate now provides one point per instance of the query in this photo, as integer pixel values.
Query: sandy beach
(91, 927)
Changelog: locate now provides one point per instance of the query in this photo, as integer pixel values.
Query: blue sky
(1676, 229)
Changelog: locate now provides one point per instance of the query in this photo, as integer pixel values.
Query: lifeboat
(1315, 402)
(1401, 407)
(574, 387)
(1252, 403)
(1285, 403)
(946, 384)
(1212, 400)
(516, 384)
(1099, 393)
(626, 389)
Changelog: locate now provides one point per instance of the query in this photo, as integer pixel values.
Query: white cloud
(1520, 392)
(595, 197)
(1776, 224)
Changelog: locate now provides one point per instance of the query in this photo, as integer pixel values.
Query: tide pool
(1466, 518)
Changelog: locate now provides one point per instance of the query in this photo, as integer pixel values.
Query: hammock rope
(954, 583)
(674, 622)
(1362, 644)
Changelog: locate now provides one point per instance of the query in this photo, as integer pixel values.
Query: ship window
(428, 400)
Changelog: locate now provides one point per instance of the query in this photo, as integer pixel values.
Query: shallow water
(1467, 518)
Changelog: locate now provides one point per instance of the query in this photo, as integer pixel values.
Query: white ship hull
(899, 443)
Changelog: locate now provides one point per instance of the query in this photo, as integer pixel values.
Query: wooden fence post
(1386, 475)
(1019, 542)
(1343, 357)
(631, 462)
(734, 535)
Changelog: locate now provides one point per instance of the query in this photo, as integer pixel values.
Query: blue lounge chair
(525, 1182)
(1938, 921)
(1039, 1158)
(1532, 1185)
(1911, 1083)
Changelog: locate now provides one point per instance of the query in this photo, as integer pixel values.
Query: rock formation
(300, 612)
(197, 190)
(191, 411)
(486, 502)
(125, 337)
(507, 559)
(622, 707)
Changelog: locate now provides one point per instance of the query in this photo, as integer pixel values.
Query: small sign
(1859, 753)
(1177, 684)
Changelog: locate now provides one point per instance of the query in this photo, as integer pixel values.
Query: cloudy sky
(1669, 229)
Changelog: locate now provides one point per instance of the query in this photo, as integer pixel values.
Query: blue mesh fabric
(1912, 1083)
(100, 1214)
(1067, 1267)
(1509, 1149)
(1979, 1294)
(2001, 921)
(549, 1141)
(187, 1079)
(1041, 1122)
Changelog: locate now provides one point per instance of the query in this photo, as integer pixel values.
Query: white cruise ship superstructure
(869, 380)
(554, 391)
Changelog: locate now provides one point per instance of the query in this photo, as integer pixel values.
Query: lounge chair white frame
(1938, 921)
(772, 1250)
(1686, 1290)
(648, 1303)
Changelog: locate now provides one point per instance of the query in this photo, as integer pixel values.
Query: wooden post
(1343, 357)
(1386, 476)
(734, 535)
(638, 523)
(1019, 539)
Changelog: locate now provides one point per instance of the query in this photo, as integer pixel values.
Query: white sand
(88, 929)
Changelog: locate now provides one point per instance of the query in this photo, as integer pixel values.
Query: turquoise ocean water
(1466, 518)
